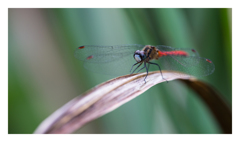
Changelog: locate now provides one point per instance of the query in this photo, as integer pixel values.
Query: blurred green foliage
(44, 75)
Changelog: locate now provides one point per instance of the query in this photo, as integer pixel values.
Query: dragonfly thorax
(139, 56)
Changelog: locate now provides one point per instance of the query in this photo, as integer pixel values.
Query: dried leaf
(102, 99)
(111, 94)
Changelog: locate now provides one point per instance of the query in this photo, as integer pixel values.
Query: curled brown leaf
(102, 99)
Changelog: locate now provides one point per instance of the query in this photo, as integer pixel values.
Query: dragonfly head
(139, 56)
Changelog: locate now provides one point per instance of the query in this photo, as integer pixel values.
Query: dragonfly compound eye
(137, 57)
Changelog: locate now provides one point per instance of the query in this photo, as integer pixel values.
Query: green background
(44, 75)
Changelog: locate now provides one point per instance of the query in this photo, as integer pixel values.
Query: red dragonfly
(117, 60)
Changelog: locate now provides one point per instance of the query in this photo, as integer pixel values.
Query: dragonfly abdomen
(172, 53)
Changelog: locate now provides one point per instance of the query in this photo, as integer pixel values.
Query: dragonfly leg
(142, 67)
(159, 69)
(146, 70)
(134, 65)
(136, 68)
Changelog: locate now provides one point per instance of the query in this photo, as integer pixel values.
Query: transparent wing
(195, 66)
(111, 60)
(120, 66)
(107, 53)
(191, 64)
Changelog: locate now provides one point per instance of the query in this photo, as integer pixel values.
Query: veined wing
(110, 60)
(180, 59)
(192, 65)
(101, 54)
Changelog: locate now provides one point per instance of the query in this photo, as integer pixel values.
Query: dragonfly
(121, 59)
